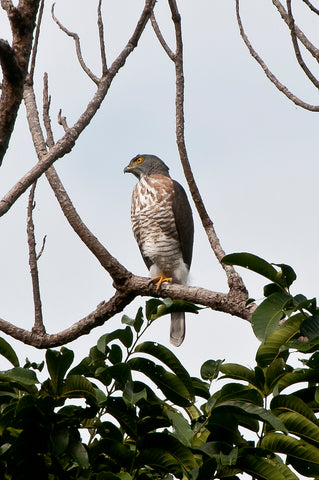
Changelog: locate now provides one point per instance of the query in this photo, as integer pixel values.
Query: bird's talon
(161, 279)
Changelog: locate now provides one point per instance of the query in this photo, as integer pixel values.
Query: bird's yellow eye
(139, 160)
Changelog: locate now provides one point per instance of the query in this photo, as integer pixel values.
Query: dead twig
(78, 49)
(282, 88)
(101, 38)
(38, 327)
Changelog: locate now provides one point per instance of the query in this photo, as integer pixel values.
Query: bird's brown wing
(184, 222)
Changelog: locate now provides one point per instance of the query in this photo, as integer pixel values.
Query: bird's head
(144, 165)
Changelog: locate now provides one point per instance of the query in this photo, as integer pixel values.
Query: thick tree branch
(66, 143)
(14, 63)
(106, 310)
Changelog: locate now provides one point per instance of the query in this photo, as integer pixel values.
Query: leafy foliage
(130, 410)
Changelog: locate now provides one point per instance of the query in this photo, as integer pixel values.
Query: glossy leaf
(260, 468)
(130, 397)
(79, 454)
(210, 369)
(124, 335)
(169, 359)
(19, 375)
(301, 426)
(257, 412)
(170, 384)
(239, 372)
(310, 328)
(266, 317)
(299, 449)
(58, 363)
(167, 305)
(255, 264)
(77, 386)
(7, 351)
(297, 376)
(182, 429)
(270, 349)
(291, 403)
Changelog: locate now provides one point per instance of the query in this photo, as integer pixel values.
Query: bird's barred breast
(153, 221)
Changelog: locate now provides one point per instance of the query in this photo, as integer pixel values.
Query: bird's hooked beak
(127, 169)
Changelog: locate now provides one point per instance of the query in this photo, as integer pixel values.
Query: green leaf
(257, 412)
(168, 306)
(210, 369)
(182, 429)
(171, 385)
(58, 364)
(124, 335)
(136, 322)
(126, 416)
(290, 403)
(256, 264)
(22, 376)
(77, 386)
(288, 275)
(260, 468)
(276, 370)
(236, 391)
(310, 327)
(176, 454)
(79, 454)
(7, 351)
(270, 349)
(297, 376)
(169, 359)
(299, 449)
(300, 426)
(239, 372)
(130, 397)
(266, 317)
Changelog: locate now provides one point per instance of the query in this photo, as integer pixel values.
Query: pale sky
(253, 154)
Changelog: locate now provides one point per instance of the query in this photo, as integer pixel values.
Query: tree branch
(76, 39)
(66, 143)
(14, 63)
(38, 327)
(282, 88)
(101, 37)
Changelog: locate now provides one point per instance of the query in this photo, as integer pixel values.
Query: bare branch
(133, 287)
(42, 248)
(36, 42)
(66, 143)
(312, 7)
(76, 39)
(62, 121)
(38, 327)
(234, 280)
(300, 60)
(161, 39)
(282, 88)
(101, 37)
(46, 112)
(300, 35)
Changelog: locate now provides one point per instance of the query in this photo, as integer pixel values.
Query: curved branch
(76, 39)
(299, 58)
(312, 7)
(161, 39)
(234, 280)
(282, 88)
(66, 143)
(134, 286)
(300, 35)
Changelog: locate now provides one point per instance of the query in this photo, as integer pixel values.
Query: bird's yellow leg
(161, 279)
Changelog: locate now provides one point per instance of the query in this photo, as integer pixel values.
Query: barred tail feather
(177, 332)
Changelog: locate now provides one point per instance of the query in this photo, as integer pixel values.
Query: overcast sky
(253, 153)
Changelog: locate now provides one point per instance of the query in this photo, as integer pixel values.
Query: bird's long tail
(177, 333)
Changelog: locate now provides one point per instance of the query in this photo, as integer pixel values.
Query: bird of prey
(163, 227)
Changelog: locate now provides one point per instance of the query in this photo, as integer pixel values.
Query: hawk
(163, 227)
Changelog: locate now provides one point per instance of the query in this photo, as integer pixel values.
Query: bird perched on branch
(163, 227)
